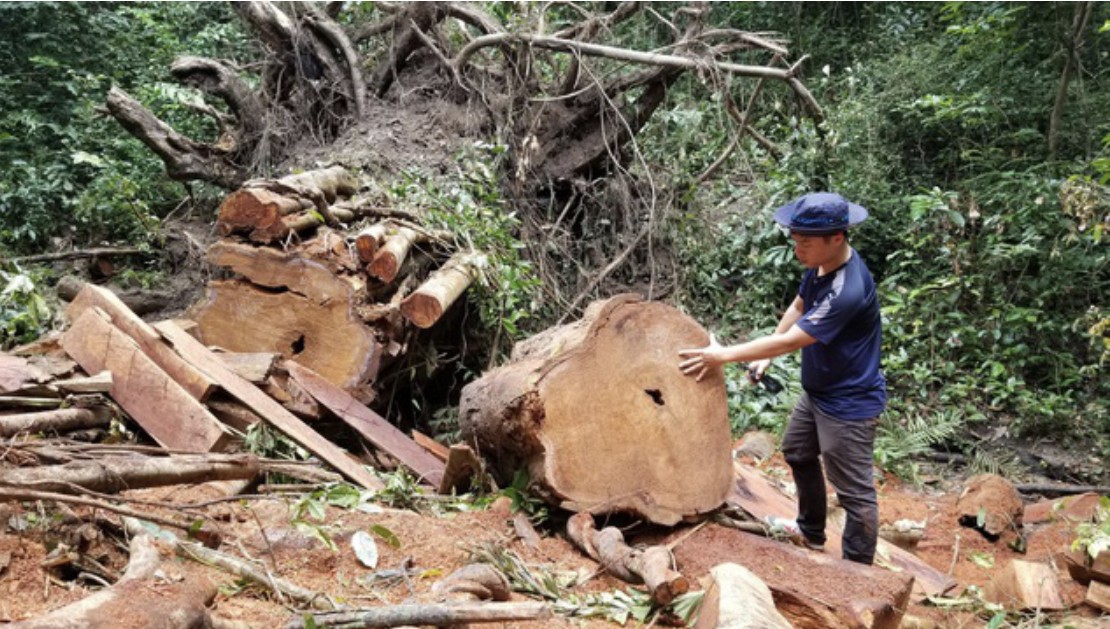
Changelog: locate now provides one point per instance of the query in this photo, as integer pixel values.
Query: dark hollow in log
(602, 419)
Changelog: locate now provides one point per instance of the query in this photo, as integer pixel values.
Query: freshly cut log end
(256, 210)
(428, 303)
(327, 338)
(603, 420)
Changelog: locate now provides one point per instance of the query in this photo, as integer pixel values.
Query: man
(835, 321)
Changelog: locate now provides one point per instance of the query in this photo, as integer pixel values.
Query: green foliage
(24, 315)
(989, 258)
(265, 441)
(472, 208)
(1094, 537)
(72, 174)
(523, 500)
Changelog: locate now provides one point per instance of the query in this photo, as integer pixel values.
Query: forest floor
(435, 545)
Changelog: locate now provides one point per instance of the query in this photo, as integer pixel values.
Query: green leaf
(983, 560)
(387, 535)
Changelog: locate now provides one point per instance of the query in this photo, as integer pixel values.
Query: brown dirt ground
(438, 545)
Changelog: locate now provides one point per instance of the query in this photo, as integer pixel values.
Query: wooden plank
(254, 367)
(197, 384)
(373, 427)
(208, 363)
(165, 410)
(1025, 585)
(755, 494)
(437, 449)
(16, 372)
(1098, 596)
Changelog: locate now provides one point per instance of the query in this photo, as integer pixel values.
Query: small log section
(61, 420)
(602, 418)
(268, 209)
(165, 410)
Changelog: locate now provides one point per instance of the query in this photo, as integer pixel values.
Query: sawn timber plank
(194, 352)
(165, 410)
(753, 493)
(196, 383)
(373, 427)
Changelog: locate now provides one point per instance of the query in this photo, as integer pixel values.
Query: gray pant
(847, 448)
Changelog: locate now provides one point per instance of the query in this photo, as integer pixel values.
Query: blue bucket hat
(820, 213)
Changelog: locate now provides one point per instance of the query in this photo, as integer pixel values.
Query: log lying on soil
(61, 420)
(389, 258)
(438, 614)
(602, 418)
(650, 566)
(155, 591)
(113, 474)
(428, 302)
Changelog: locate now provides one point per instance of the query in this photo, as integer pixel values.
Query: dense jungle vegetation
(977, 134)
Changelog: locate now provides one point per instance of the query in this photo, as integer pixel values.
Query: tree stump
(599, 415)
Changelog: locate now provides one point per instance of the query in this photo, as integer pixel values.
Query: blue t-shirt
(841, 370)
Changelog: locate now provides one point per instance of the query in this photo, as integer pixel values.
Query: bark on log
(143, 597)
(113, 474)
(61, 420)
(603, 420)
(437, 614)
(428, 303)
(650, 566)
(387, 262)
(369, 240)
(265, 209)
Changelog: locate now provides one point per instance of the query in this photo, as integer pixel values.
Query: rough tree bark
(603, 420)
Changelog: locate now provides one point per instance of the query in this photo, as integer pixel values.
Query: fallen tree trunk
(113, 474)
(61, 420)
(650, 566)
(143, 597)
(602, 419)
(438, 614)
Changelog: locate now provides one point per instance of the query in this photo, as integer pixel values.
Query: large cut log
(277, 270)
(428, 302)
(603, 420)
(650, 566)
(155, 591)
(152, 398)
(204, 359)
(325, 337)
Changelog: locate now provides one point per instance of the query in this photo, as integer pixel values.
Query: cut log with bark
(61, 420)
(428, 302)
(113, 474)
(267, 210)
(369, 240)
(437, 614)
(388, 260)
(155, 591)
(602, 419)
(164, 409)
(650, 566)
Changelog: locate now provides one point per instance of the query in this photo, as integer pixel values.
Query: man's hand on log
(699, 361)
